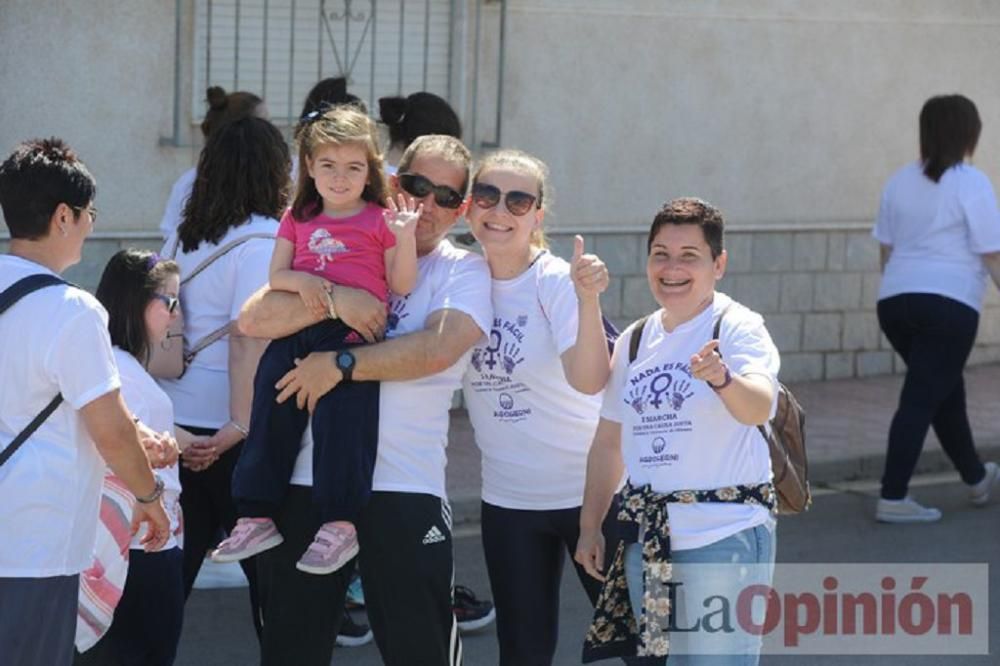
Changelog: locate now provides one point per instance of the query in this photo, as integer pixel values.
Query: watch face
(345, 360)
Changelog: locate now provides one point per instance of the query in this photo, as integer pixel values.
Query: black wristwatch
(344, 360)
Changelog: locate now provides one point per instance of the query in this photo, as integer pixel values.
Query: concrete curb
(465, 508)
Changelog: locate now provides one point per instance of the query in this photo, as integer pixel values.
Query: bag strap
(209, 339)
(218, 254)
(635, 337)
(8, 298)
(222, 331)
(715, 336)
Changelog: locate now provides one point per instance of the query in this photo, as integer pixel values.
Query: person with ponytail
(939, 228)
(408, 118)
(223, 108)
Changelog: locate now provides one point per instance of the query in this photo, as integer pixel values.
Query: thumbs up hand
(589, 274)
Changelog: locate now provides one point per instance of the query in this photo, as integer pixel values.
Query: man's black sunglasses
(420, 187)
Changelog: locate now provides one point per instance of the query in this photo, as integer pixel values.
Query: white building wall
(99, 74)
(778, 111)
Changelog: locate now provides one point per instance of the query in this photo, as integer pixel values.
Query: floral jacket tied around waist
(644, 519)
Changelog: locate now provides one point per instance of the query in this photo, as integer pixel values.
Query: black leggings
(208, 509)
(934, 336)
(525, 552)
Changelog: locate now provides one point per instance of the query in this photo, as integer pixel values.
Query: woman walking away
(939, 228)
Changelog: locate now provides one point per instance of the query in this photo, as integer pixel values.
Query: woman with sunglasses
(533, 393)
(133, 598)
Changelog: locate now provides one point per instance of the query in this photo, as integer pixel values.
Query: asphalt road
(838, 529)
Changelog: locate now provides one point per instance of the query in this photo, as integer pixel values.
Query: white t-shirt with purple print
(533, 428)
(676, 432)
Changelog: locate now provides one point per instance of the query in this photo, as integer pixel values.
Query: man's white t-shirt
(211, 299)
(179, 195)
(55, 340)
(676, 432)
(938, 232)
(533, 428)
(145, 399)
(413, 415)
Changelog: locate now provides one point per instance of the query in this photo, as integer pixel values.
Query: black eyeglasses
(170, 301)
(517, 202)
(92, 210)
(420, 187)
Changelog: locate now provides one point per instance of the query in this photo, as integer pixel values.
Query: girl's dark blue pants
(344, 430)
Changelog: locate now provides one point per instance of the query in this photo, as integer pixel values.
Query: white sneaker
(979, 494)
(906, 510)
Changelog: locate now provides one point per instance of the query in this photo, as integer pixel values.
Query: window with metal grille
(280, 48)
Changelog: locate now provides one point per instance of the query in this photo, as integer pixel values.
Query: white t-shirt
(179, 194)
(676, 432)
(533, 428)
(55, 340)
(938, 232)
(210, 300)
(145, 399)
(413, 415)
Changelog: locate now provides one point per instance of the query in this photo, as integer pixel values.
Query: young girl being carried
(337, 232)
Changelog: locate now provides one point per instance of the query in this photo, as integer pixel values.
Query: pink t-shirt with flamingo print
(349, 251)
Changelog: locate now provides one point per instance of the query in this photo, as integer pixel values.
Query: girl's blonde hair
(529, 165)
(340, 125)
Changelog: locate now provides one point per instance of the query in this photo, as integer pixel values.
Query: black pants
(148, 619)
(934, 335)
(345, 433)
(407, 570)
(38, 620)
(407, 577)
(302, 612)
(525, 552)
(208, 506)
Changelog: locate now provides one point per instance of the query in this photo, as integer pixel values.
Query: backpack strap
(715, 336)
(8, 298)
(222, 331)
(218, 254)
(635, 337)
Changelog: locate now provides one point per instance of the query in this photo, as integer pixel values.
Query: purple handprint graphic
(511, 357)
(680, 394)
(637, 399)
(477, 359)
(397, 312)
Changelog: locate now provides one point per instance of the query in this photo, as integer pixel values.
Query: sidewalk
(847, 422)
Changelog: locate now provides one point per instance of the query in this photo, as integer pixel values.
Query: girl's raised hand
(402, 215)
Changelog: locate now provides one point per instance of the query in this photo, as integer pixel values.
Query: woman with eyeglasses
(533, 394)
(228, 231)
(133, 598)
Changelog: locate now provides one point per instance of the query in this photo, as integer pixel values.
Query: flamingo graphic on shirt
(324, 246)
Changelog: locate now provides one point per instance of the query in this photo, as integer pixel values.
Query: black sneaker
(470, 612)
(353, 634)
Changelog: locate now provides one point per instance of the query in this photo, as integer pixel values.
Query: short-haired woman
(681, 418)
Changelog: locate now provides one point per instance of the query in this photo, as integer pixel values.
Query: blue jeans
(700, 577)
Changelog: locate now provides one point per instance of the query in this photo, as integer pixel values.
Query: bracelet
(725, 382)
(238, 428)
(153, 496)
